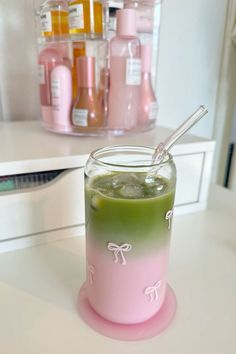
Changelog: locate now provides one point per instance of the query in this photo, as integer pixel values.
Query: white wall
(191, 43)
(19, 98)
(225, 109)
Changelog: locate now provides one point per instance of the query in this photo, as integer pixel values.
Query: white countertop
(26, 147)
(39, 287)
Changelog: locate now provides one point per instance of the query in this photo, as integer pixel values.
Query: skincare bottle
(47, 60)
(86, 18)
(61, 92)
(87, 110)
(103, 91)
(145, 11)
(54, 20)
(78, 49)
(148, 102)
(125, 74)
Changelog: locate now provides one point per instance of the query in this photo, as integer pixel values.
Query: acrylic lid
(126, 22)
(146, 57)
(86, 71)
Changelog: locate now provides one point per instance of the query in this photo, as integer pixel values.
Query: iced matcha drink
(128, 224)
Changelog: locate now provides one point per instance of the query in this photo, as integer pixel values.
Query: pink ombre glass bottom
(154, 326)
(130, 293)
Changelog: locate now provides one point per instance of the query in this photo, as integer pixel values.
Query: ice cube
(125, 178)
(95, 201)
(159, 187)
(131, 191)
(104, 182)
(150, 180)
(116, 183)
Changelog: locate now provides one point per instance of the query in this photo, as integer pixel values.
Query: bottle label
(80, 117)
(55, 88)
(153, 110)
(46, 22)
(112, 24)
(41, 73)
(133, 72)
(76, 16)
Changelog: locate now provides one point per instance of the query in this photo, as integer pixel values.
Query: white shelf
(39, 288)
(26, 147)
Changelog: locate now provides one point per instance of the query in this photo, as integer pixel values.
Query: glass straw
(164, 147)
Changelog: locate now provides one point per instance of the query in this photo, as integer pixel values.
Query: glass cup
(128, 227)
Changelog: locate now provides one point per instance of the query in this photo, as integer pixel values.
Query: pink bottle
(64, 49)
(148, 103)
(125, 73)
(87, 109)
(103, 91)
(61, 93)
(145, 14)
(47, 60)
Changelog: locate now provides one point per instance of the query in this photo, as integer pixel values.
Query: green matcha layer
(123, 208)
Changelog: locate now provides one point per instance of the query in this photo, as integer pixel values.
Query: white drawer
(193, 179)
(189, 171)
(55, 205)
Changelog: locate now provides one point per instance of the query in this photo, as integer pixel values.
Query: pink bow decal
(119, 251)
(152, 291)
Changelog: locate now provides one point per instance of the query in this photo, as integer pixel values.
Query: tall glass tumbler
(128, 228)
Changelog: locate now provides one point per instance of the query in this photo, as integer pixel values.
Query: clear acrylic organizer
(97, 63)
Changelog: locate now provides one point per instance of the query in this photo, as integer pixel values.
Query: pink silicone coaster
(140, 331)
